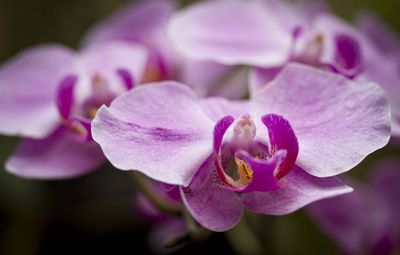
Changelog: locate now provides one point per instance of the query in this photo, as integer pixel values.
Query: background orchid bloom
(49, 95)
(145, 23)
(365, 221)
(384, 70)
(268, 34)
(168, 230)
(280, 150)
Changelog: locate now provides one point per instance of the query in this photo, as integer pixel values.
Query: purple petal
(127, 78)
(28, 85)
(347, 56)
(80, 127)
(263, 171)
(65, 95)
(212, 79)
(355, 221)
(217, 107)
(282, 137)
(260, 77)
(385, 72)
(383, 37)
(134, 23)
(158, 129)
(343, 47)
(220, 129)
(337, 122)
(212, 206)
(299, 189)
(229, 32)
(386, 180)
(342, 218)
(108, 58)
(56, 157)
(146, 209)
(140, 22)
(292, 15)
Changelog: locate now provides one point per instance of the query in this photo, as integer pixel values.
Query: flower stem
(243, 241)
(143, 184)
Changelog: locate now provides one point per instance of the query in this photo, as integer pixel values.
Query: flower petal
(282, 137)
(108, 59)
(65, 95)
(379, 33)
(299, 189)
(140, 22)
(337, 122)
(59, 156)
(212, 79)
(260, 77)
(385, 180)
(212, 206)
(342, 219)
(217, 107)
(28, 85)
(263, 171)
(355, 221)
(135, 22)
(385, 72)
(158, 129)
(229, 32)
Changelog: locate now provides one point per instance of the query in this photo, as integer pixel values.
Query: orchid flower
(271, 154)
(367, 220)
(168, 231)
(145, 23)
(268, 34)
(49, 95)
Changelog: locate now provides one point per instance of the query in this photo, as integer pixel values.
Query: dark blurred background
(95, 213)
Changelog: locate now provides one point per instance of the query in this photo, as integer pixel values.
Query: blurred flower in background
(365, 221)
(222, 105)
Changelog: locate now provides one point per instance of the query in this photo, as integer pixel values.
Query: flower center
(100, 94)
(76, 113)
(246, 164)
(243, 132)
(236, 172)
(312, 51)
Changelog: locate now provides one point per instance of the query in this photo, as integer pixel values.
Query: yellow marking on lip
(245, 173)
(92, 112)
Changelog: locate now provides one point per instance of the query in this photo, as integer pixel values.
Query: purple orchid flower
(49, 94)
(272, 154)
(145, 23)
(367, 220)
(268, 34)
(165, 228)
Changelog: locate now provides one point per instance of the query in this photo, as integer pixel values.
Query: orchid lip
(127, 79)
(75, 116)
(244, 163)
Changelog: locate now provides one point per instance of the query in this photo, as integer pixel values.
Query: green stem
(196, 232)
(143, 184)
(243, 240)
